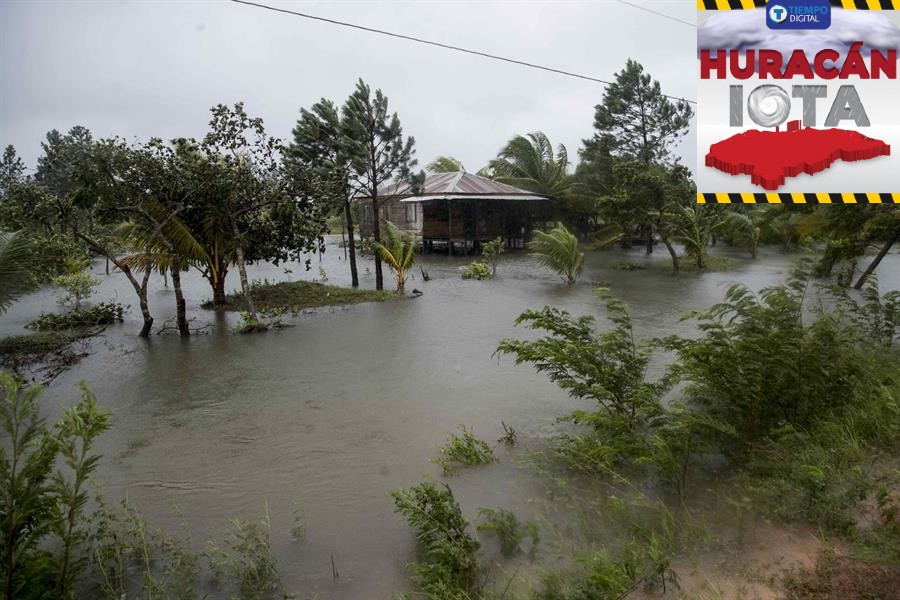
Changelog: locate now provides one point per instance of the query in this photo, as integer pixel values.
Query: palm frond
(14, 262)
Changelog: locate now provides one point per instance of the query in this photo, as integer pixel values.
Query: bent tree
(252, 208)
(317, 162)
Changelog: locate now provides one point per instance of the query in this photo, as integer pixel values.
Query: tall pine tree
(377, 151)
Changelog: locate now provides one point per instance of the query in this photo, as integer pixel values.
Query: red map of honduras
(771, 156)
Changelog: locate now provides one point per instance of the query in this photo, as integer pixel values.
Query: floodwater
(327, 417)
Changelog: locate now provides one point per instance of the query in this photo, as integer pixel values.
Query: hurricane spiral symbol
(770, 105)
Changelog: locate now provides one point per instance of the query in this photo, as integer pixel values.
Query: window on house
(410, 213)
(367, 213)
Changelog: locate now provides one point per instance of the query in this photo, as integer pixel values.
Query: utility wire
(438, 44)
(656, 12)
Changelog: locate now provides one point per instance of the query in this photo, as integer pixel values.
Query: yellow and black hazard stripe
(846, 4)
(798, 198)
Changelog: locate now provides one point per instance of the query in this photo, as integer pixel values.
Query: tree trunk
(242, 270)
(376, 234)
(672, 252)
(140, 288)
(180, 310)
(145, 308)
(218, 286)
(649, 230)
(877, 260)
(351, 245)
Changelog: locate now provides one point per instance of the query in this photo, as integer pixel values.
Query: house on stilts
(456, 211)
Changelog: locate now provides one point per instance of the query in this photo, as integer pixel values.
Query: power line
(656, 12)
(438, 44)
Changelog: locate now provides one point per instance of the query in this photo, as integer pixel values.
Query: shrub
(607, 367)
(509, 530)
(104, 313)
(448, 566)
(41, 508)
(130, 554)
(477, 270)
(744, 370)
(464, 450)
(76, 287)
(247, 562)
(492, 251)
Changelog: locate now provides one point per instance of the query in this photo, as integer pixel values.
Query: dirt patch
(749, 565)
(845, 579)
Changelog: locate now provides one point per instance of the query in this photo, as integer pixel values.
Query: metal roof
(442, 186)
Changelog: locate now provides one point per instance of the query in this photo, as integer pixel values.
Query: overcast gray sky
(140, 68)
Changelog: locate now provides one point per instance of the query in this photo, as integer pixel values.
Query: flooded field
(325, 418)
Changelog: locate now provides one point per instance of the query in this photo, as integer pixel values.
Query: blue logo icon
(778, 13)
(799, 14)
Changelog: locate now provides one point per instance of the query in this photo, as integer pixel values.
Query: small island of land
(299, 295)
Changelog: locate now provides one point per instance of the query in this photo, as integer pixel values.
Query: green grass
(298, 295)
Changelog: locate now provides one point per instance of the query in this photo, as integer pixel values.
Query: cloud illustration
(746, 30)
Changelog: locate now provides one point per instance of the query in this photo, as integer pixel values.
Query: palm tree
(558, 250)
(445, 164)
(693, 228)
(530, 162)
(14, 260)
(171, 250)
(743, 227)
(398, 253)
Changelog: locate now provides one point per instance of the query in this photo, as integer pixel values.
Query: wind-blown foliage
(14, 263)
(744, 227)
(448, 568)
(445, 164)
(36, 504)
(557, 249)
(399, 253)
(530, 162)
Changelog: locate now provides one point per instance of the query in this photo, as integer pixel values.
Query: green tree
(252, 203)
(58, 171)
(316, 160)
(445, 164)
(378, 152)
(399, 252)
(636, 121)
(557, 249)
(12, 171)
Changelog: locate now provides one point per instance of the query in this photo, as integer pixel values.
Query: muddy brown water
(327, 417)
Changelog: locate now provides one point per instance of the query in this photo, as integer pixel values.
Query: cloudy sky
(153, 68)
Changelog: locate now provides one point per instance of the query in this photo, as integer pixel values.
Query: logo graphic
(778, 14)
(796, 113)
(799, 14)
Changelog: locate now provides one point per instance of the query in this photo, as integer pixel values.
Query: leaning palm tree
(530, 162)
(557, 249)
(14, 261)
(743, 227)
(445, 164)
(398, 252)
(693, 228)
(169, 250)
